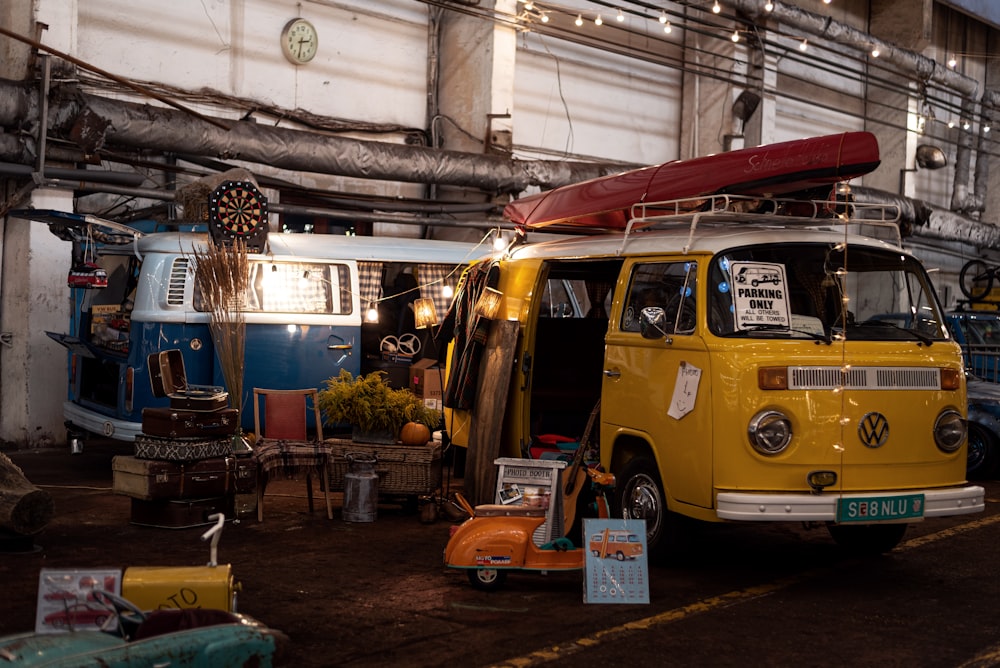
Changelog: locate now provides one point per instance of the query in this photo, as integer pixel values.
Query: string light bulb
(986, 129)
(666, 28)
(447, 291)
(876, 53)
(736, 36)
(579, 20)
(716, 8)
(372, 314)
(966, 125)
(598, 21)
(621, 16)
(545, 17)
(803, 45)
(952, 62)
(663, 17)
(529, 5)
(768, 6)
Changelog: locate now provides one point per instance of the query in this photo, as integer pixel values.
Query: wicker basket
(402, 469)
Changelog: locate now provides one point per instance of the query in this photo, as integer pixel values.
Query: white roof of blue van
(329, 247)
(706, 239)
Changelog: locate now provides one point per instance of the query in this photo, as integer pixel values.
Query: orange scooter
(497, 539)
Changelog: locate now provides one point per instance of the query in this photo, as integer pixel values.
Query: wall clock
(237, 210)
(299, 41)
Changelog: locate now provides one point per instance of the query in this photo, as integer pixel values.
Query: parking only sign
(759, 294)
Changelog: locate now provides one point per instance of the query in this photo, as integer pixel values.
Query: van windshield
(824, 292)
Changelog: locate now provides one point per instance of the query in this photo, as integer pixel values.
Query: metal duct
(95, 121)
(920, 219)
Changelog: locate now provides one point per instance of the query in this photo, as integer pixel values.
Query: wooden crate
(402, 469)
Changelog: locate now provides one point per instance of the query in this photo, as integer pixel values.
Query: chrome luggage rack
(761, 211)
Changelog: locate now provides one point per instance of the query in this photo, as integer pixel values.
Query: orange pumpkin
(414, 433)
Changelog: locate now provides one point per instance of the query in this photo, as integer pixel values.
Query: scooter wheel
(487, 579)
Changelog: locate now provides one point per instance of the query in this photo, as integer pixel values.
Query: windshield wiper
(780, 328)
(923, 338)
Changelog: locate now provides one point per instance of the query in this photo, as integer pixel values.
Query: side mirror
(653, 323)
(930, 157)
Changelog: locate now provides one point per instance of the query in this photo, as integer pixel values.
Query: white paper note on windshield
(685, 391)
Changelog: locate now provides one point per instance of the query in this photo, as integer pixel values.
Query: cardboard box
(425, 381)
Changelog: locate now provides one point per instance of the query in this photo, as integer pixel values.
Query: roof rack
(761, 211)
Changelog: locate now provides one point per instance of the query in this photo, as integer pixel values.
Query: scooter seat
(498, 510)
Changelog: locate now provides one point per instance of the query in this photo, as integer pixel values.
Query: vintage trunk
(153, 479)
(174, 423)
(180, 513)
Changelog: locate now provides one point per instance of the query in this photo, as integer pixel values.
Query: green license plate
(880, 508)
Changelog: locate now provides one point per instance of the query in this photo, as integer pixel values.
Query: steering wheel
(409, 344)
(126, 612)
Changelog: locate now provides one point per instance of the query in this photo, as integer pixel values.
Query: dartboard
(238, 211)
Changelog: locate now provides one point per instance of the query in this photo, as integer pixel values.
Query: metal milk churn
(360, 488)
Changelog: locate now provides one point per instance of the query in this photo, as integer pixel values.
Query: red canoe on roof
(769, 170)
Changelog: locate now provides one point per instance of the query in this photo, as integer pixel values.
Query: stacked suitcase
(183, 469)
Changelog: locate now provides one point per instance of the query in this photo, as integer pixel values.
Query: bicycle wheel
(975, 279)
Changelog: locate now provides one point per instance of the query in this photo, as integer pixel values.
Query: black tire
(487, 579)
(867, 539)
(975, 279)
(639, 496)
(983, 453)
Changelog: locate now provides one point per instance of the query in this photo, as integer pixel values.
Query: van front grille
(177, 281)
(864, 378)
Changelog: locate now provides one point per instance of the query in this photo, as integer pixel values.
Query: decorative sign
(759, 294)
(616, 569)
(66, 600)
(685, 390)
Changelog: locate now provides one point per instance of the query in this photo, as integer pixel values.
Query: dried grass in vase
(223, 277)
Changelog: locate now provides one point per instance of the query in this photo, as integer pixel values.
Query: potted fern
(375, 411)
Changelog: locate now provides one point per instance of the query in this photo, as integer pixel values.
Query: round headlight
(770, 432)
(949, 431)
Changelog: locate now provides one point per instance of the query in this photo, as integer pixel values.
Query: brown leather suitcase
(173, 423)
(180, 514)
(168, 378)
(155, 479)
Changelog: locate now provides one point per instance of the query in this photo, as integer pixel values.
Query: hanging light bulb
(952, 62)
(951, 123)
(499, 243)
(986, 129)
(768, 6)
(803, 45)
(736, 36)
(579, 20)
(529, 5)
(716, 8)
(826, 2)
(545, 17)
(663, 17)
(876, 53)
(666, 28)
(621, 17)
(447, 291)
(598, 21)
(372, 314)
(966, 125)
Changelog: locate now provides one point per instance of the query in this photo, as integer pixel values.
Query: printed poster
(616, 569)
(66, 601)
(760, 297)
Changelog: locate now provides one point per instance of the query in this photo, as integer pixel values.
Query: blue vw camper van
(307, 313)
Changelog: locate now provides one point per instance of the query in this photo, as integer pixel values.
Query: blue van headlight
(770, 432)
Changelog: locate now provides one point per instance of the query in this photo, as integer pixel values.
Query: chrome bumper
(823, 507)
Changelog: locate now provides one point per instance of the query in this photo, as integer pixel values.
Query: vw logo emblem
(874, 430)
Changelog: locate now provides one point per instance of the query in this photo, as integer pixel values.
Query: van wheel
(867, 539)
(983, 451)
(639, 496)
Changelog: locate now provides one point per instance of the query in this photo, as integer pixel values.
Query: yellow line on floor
(561, 651)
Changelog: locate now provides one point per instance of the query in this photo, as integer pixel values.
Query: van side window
(667, 285)
(294, 287)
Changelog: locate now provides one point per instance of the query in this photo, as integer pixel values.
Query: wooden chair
(283, 444)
